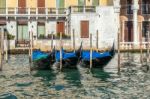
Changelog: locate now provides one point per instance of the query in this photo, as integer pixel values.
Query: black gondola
(69, 59)
(99, 59)
(42, 60)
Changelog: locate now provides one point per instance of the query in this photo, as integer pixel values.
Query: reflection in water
(100, 74)
(7, 96)
(16, 82)
(73, 77)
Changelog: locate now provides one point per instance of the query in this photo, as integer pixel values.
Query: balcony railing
(82, 9)
(130, 45)
(32, 11)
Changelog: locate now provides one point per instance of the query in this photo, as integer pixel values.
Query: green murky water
(16, 81)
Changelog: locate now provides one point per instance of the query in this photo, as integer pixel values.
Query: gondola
(99, 59)
(42, 60)
(69, 59)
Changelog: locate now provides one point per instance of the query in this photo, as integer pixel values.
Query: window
(95, 2)
(23, 32)
(41, 30)
(61, 27)
(41, 6)
(128, 31)
(145, 7)
(145, 29)
(22, 6)
(60, 4)
(84, 26)
(2, 6)
(129, 7)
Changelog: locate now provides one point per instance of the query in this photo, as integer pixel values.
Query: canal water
(133, 82)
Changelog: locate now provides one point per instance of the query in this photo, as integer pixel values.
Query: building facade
(134, 21)
(44, 17)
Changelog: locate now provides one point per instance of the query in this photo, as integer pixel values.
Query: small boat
(42, 60)
(99, 59)
(69, 59)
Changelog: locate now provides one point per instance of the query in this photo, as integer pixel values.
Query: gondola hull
(99, 59)
(96, 63)
(69, 59)
(42, 61)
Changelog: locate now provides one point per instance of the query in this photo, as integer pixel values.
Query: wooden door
(84, 26)
(41, 6)
(22, 6)
(61, 27)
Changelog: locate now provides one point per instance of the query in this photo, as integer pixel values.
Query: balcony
(82, 9)
(33, 12)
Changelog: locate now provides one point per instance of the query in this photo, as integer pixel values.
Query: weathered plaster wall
(50, 27)
(32, 27)
(11, 27)
(104, 20)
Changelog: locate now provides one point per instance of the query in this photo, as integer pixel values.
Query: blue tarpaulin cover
(38, 55)
(95, 55)
(65, 55)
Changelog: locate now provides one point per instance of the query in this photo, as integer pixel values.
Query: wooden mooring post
(90, 51)
(118, 51)
(148, 45)
(60, 51)
(141, 49)
(1, 44)
(52, 38)
(6, 47)
(29, 47)
(97, 40)
(74, 40)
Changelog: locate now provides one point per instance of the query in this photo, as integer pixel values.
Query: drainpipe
(135, 9)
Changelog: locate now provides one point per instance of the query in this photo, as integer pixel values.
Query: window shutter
(95, 3)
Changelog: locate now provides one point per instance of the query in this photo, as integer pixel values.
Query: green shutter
(61, 3)
(80, 4)
(41, 30)
(23, 32)
(95, 3)
(2, 6)
(20, 32)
